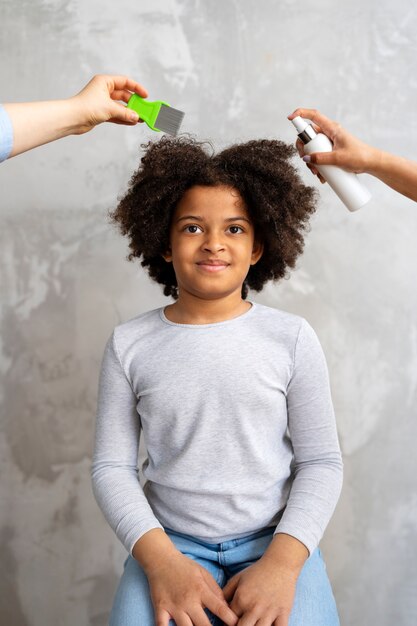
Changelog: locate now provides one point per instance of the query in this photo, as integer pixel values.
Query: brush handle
(147, 111)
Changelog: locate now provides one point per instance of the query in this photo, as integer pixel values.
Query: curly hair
(275, 197)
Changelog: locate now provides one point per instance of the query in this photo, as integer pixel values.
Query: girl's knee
(132, 604)
(314, 603)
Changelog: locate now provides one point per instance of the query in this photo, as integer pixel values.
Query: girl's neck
(195, 310)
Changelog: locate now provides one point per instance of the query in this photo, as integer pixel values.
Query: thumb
(321, 158)
(123, 115)
(230, 588)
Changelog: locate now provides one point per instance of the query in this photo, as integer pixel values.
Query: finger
(114, 120)
(219, 607)
(120, 114)
(183, 620)
(313, 169)
(316, 172)
(213, 585)
(271, 619)
(300, 112)
(121, 94)
(199, 617)
(321, 158)
(162, 617)
(300, 147)
(124, 82)
(328, 126)
(230, 588)
(248, 619)
(317, 128)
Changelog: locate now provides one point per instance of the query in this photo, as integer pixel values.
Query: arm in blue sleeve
(6, 134)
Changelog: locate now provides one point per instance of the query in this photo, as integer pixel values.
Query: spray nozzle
(304, 129)
(299, 123)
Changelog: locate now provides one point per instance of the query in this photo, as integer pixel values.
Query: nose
(213, 243)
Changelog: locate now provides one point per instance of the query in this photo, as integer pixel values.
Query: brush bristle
(169, 120)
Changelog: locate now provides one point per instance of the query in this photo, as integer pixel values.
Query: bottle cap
(305, 130)
(300, 124)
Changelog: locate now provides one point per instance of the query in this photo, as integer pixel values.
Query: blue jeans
(314, 604)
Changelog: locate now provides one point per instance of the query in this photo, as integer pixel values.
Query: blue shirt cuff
(6, 134)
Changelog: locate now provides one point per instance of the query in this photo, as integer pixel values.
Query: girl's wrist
(153, 549)
(287, 553)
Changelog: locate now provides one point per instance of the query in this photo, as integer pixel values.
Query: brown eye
(237, 227)
(191, 226)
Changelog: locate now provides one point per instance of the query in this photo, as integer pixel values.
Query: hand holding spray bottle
(345, 184)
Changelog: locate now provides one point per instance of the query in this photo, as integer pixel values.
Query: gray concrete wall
(237, 69)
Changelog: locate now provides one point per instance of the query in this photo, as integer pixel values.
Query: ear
(167, 255)
(257, 252)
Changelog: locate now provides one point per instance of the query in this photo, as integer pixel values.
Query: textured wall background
(65, 282)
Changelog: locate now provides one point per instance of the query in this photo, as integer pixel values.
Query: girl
(232, 397)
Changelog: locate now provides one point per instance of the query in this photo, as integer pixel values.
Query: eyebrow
(200, 219)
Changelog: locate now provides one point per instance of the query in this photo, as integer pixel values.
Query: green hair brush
(158, 115)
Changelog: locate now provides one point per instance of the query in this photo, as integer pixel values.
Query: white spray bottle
(345, 184)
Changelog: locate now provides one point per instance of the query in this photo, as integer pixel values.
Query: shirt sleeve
(6, 134)
(317, 463)
(114, 470)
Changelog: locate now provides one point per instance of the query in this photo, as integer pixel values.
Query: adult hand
(181, 589)
(348, 152)
(101, 101)
(262, 594)
(37, 123)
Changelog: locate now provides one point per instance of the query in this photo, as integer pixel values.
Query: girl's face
(211, 225)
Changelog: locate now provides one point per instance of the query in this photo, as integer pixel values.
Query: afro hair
(274, 195)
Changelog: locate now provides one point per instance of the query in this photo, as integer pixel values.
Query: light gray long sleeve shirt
(238, 424)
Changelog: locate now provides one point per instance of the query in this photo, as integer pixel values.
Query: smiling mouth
(207, 267)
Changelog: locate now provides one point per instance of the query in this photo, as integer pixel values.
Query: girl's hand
(101, 101)
(181, 589)
(348, 152)
(262, 594)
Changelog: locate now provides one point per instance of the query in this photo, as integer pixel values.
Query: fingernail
(134, 117)
(307, 158)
